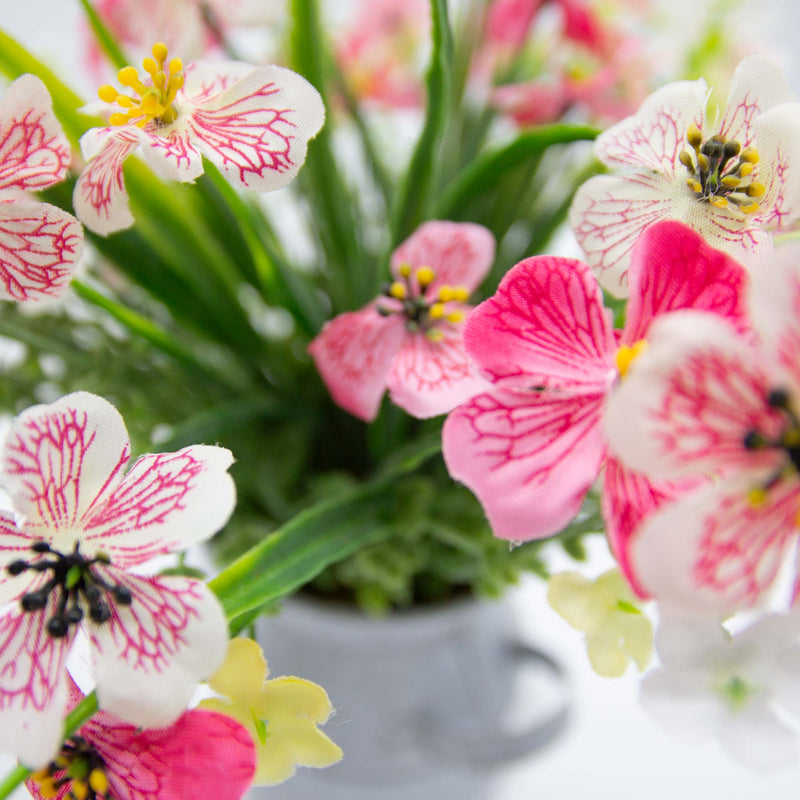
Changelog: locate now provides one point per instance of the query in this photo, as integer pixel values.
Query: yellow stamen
(107, 93)
(160, 52)
(703, 162)
(757, 497)
(434, 335)
(98, 781)
(424, 276)
(750, 155)
(436, 311)
(745, 170)
(48, 788)
(460, 294)
(455, 316)
(730, 181)
(750, 208)
(719, 202)
(694, 136)
(398, 290)
(694, 185)
(446, 294)
(756, 190)
(404, 270)
(40, 774)
(791, 438)
(627, 354)
(79, 790)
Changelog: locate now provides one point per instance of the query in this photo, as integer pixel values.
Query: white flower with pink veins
(71, 556)
(733, 183)
(39, 243)
(251, 123)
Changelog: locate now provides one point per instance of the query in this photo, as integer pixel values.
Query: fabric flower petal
(39, 247)
(459, 253)
(171, 154)
(256, 132)
(148, 658)
(354, 353)
(34, 153)
(165, 502)
(433, 377)
(529, 458)
(546, 326)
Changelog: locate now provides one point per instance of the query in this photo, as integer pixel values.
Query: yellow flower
(616, 630)
(281, 714)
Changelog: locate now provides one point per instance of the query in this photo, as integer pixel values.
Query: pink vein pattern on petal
(148, 658)
(546, 326)
(673, 268)
(256, 132)
(39, 247)
(609, 213)
(100, 197)
(15, 543)
(34, 152)
(353, 354)
(58, 459)
(528, 458)
(164, 503)
(459, 253)
(430, 378)
(654, 137)
(170, 154)
(33, 693)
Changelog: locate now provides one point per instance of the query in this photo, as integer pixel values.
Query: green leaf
(104, 37)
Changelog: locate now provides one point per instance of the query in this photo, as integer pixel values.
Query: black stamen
(122, 594)
(16, 567)
(100, 612)
(778, 398)
(40, 547)
(34, 601)
(753, 440)
(57, 627)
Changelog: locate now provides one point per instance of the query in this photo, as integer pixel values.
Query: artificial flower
(735, 689)
(708, 400)
(616, 630)
(39, 243)
(409, 338)
(733, 183)
(252, 123)
(281, 714)
(532, 445)
(201, 754)
(70, 552)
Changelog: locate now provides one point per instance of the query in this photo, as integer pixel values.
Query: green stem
(104, 37)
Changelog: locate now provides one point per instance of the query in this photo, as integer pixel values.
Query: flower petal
(100, 198)
(430, 378)
(204, 79)
(673, 268)
(148, 658)
(170, 153)
(714, 551)
(528, 458)
(353, 354)
(545, 326)
(34, 153)
(39, 247)
(757, 86)
(459, 253)
(686, 405)
(166, 502)
(609, 213)
(57, 460)
(654, 136)
(15, 543)
(256, 132)
(33, 688)
(202, 754)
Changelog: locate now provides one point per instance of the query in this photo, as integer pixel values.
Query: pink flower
(71, 554)
(532, 445)
(39, 243)
(708, 400)
(252, 123)
(409, 338)
(733, 183)
(202, 754)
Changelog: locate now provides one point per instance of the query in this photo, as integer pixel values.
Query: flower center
(627, 354)
(77, 585)
(78, 768)
(787, 441)
(735, 690)
(421, 313)
(152, 99)
(720, 172)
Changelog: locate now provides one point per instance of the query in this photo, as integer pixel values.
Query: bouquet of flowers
(286, 361)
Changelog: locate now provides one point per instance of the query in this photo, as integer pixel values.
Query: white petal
(754, 736)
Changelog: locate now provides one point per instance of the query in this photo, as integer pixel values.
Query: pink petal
(170, 154)
(459, 253)
(256, 132)
(58, 459)
(15, 543)
(202, 754)
(686, 405)
(33, 691)
(354, 353)
(528, 458)
(430, 378)
(654, 137)
(673, 268)
(609, 213)
(165, 503)
(149, 657)
(714, 551)
(100, 198)
(546, 326)
(34, 153)
(39, 247)
(204, 79)
(757, 86)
